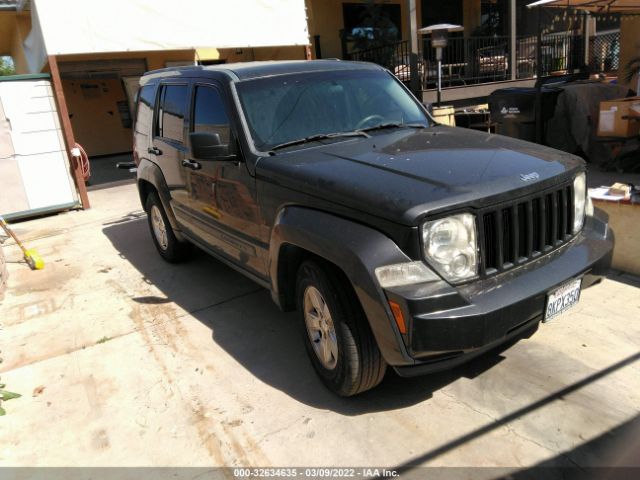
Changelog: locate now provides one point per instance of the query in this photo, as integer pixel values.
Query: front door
(222, 191)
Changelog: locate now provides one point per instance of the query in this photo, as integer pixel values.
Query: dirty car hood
(405, 174)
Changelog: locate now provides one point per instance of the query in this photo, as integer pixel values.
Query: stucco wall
(14, 28)
(471, 10)
(629, 44)
(154, 60)
(7, 26)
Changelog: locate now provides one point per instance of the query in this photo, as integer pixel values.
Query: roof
(71, 27)
(249, 70)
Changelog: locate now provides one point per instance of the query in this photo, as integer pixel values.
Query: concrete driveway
(123, 359)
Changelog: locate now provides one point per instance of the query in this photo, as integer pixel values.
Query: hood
(405, 174)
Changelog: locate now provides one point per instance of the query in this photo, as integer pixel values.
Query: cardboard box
(444, 115)
(624, 220)
(614, 118)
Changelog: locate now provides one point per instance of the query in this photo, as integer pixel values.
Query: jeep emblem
(527, 177)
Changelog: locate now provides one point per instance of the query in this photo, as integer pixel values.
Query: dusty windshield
(287, 108)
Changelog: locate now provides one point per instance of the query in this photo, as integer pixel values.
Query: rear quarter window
(144, 110)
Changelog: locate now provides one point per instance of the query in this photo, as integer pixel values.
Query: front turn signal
(398, 316)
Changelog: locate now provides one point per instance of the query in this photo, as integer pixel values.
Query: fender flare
(150, 172)
(354, 248)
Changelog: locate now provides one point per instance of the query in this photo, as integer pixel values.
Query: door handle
(192, 164)
(154, 150)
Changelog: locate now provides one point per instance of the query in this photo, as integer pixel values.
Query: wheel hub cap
(159, 228)
(320, 328)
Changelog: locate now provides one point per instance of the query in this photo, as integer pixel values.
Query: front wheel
(336, 333)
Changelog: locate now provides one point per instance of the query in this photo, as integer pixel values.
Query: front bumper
(450, 325)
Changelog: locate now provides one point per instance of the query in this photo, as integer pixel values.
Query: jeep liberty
(399, 241)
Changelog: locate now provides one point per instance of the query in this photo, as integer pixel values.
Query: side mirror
(208, 146)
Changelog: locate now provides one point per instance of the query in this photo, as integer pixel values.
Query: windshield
(287, 108)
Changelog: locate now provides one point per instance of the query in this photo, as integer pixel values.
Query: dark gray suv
(401, 242)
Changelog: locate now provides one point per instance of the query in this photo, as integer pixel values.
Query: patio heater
(439, 40)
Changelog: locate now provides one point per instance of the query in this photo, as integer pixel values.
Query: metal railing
(394, 57)
(604, 51)
(468, 61)
(476, 60)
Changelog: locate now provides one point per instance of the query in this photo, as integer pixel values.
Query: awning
(597, 6)
(98, 26)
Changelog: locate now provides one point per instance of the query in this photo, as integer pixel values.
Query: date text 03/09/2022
(315, 472)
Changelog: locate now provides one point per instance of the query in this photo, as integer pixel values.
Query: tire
(168, 246)
(338, 340)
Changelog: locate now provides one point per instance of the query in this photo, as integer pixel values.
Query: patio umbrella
(596, 6)
(439, 39)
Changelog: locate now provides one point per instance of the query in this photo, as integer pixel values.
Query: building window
(372, 21)
(494, 17)
(437, 11)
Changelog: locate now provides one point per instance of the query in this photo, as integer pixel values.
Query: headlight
(579, 201)
(450, 246)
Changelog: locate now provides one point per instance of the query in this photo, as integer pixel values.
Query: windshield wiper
(320, 136)
(384, 126)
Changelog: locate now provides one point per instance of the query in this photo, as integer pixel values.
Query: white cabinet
(35, 176)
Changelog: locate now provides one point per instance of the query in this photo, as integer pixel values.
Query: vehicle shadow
(247, 324)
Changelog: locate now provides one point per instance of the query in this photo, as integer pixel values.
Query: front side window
(209, 114)
(285, 108)
(173, 103)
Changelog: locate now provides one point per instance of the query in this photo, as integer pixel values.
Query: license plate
(562, 299)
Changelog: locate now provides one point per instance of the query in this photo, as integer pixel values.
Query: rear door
(168, 147)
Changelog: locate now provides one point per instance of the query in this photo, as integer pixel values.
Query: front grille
(514, 233)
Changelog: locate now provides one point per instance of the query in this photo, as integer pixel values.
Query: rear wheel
(336, 333)
(169, 247)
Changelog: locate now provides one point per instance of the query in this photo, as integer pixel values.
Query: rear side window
(209, 114)
(173, 102)
(144, 109)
